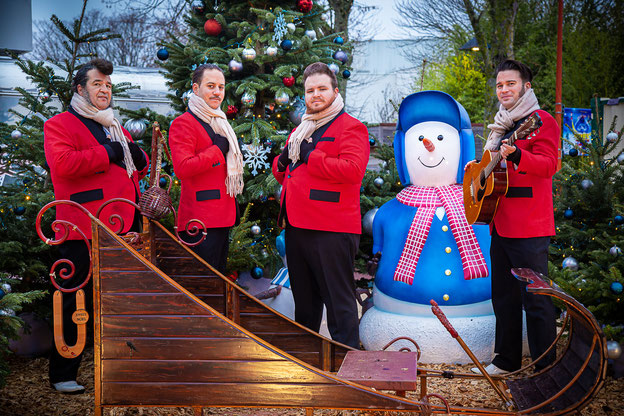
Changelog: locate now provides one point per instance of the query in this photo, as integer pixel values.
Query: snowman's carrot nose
(429, 145)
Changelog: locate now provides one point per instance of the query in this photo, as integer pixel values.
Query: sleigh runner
(172, 331)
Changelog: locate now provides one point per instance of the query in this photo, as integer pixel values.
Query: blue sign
(576, 123)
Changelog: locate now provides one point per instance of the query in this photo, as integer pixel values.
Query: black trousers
(66, 369)
(320, 267)
(214, 248)
(509, 296)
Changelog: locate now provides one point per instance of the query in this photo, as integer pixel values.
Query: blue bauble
(618, 219)
(341, 56)
(339, 40)
(2, 293)
(257, 272)
(371, 141)
(570, 263)
(162, 54)
(19, 210)
(568, 213)
(346, 74)
(280, 244)
(616, 287)
(286, 44)
(573, 152)
(162, 182)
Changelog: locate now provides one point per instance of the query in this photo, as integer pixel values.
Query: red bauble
(212, 27)
(304, 6)
(288, 81)
(231, 111)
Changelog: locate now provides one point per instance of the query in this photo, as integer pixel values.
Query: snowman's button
(446, 297)
(445, 228)
(448, 249)
(447, 272)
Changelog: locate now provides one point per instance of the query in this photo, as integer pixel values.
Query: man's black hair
(102, 65)
(198, 74)
(512, 65)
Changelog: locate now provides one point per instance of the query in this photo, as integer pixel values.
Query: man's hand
(135, 152)
(472, 162)
(373, 263)
(305, 149)
(222, 143)
(115, 151)
(284, 160)
(508, 152)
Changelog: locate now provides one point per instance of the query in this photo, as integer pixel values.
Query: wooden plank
(383, 370)
(248, 305)
(185, 349)
(119, 259)
(213, 371)
(182, 266)
(167, 326)
(267, 322)
(142, 281)
(249, 395)
(203, 284)
(150, 304)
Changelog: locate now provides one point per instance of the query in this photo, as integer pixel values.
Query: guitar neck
(497, 157)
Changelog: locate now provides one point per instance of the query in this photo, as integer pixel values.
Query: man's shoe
(491, 369)
(68, 387)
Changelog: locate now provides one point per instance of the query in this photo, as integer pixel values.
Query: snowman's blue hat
(433, 106)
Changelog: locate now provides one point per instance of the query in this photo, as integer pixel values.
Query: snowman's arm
(350, 164)
(378, 232)
(542, 159)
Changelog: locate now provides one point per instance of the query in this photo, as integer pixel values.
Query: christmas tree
(263, 50)
(586, 256)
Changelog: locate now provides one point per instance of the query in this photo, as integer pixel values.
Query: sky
(69, 9)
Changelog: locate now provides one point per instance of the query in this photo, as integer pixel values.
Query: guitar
(485, 182)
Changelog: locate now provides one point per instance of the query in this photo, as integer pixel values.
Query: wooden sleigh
(171, 331)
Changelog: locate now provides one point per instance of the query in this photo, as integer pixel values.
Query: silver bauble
(378, 182)
(7, 312)
(248, 99)
(282, 98)
(297, 112)
(185, 96)
(311, 34)
(615, 251)
(367, 221)
(6, 287)
(620, 159)
(341, 56)
(291, 27)
(614, 350)
(45, 96)
(136, 128)
(612, 137)
(235, 66)
(16, 134)
(570, 263)
(271, 51)
(255, 229)
(249, 54)
(586, 183)
(334, 68)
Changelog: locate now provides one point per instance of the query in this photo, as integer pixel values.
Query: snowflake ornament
(256, 157)
(280, 28)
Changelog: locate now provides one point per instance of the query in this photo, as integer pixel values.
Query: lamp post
(558, 104)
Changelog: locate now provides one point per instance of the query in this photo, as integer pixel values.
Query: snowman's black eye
(440, 137)
(421, 138)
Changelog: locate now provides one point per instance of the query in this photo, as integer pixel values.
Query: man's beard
(85, 95)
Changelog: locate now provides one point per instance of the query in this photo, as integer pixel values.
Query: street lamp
(471, 45)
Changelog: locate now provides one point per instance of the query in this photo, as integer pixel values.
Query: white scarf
(234, 158)
(505, 119)
(107, 119)
(309, 124)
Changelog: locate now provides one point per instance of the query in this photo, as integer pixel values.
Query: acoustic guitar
(485, 182)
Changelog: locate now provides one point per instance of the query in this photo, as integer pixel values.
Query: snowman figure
(425, 246)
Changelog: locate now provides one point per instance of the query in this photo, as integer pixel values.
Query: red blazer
(81, 172)
(201, 167)
(527, 209)
(324, 194)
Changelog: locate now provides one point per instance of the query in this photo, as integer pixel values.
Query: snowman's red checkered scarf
(427, 199)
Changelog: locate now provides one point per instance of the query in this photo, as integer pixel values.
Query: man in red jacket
(92, 159)
(523, 222)
(208, 161)
(321, 170)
